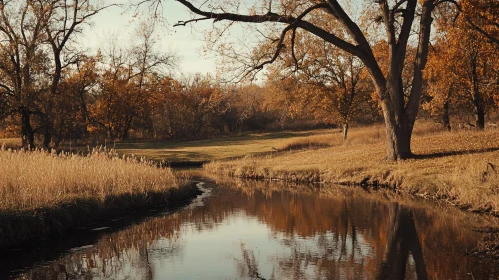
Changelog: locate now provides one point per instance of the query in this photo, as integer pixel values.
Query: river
(265, 230)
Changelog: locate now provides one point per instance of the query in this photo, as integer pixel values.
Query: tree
(26, 28)
(71, 118)
(65, 20)
(23, 60)
(331, 83)
(474, 62)
(462, 70)
(190, 108)
(483, 16)
(441, 84)
(399, 19)
(126, 84)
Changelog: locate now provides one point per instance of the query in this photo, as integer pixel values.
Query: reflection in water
(262, 231)
(403, 240)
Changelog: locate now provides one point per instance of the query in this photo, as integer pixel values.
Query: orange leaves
(321, 81)
(483, 16)
(461, 70)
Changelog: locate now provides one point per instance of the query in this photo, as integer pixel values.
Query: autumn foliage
(50, 94)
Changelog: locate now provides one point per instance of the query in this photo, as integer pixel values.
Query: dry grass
(453, 166)
(33, 180)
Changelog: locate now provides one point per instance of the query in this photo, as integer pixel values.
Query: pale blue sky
(183, 41)
(187, 42)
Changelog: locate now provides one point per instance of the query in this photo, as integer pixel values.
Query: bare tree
(23, 61)
(31, 32)
(66, 18)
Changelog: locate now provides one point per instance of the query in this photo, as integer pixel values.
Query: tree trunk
(345, 131)
(479, 109)
(127, 128)
(445, 117)
(28, 135)
(47, 135)
(397, 121)
(477, 98)
(124, 136)
(399, 110)
(398, 140)
(110, 134)
(480, 117)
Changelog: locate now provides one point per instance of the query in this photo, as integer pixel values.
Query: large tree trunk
(27, 133)
(398, 135)
(397, 121)
(399, 111)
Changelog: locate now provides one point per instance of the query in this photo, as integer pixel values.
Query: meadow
(458, 167)
(214, 148)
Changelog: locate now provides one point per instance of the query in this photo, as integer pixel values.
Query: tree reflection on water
(403, 240)
(269, 231)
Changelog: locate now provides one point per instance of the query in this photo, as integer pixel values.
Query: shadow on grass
(456, 153)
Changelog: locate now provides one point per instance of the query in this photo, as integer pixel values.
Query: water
(249, 230)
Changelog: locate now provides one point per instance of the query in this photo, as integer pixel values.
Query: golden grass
(452, 165)
(33, 180)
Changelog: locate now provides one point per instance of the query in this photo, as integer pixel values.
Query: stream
(270, 230)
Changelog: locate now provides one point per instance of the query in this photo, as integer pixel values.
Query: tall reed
(39, 179)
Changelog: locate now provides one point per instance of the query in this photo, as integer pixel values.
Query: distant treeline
(51, 91)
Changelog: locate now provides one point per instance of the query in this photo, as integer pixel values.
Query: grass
(452, 166)
(10, 141)
(213, 149)
(30, 180)
(44, 193)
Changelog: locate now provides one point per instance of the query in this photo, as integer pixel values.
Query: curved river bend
(255, 230)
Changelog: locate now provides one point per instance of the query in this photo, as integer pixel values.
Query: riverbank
(45, 195)
(459, 168)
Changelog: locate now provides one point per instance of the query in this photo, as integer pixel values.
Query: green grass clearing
(216, 148)
(10, 141)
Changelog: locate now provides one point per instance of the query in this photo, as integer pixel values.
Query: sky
(187, 43)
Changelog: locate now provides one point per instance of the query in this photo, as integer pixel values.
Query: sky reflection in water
(259, 231)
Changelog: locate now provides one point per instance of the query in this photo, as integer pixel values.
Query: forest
(52, 91)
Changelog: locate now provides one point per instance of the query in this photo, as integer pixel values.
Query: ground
(458, 167)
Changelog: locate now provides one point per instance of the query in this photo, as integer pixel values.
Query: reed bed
(36, 179)
(46, 194)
